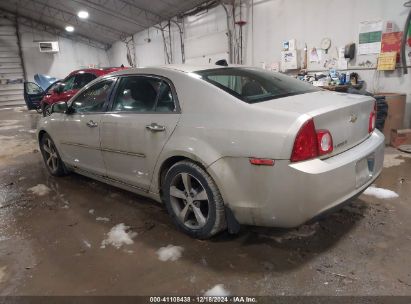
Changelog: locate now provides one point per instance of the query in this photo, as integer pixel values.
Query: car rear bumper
(289, 194)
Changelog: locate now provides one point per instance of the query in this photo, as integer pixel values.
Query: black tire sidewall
(205, 231)
(45, 107)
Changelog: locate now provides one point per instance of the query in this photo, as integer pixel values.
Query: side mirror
(59, 107)
(59, 88)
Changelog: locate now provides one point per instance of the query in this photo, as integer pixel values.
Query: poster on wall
(369, 40)
(391, 42)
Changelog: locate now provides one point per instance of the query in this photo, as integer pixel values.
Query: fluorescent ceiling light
(82, 14)
(69, 28)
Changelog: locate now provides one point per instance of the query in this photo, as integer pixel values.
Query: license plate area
(364, 170)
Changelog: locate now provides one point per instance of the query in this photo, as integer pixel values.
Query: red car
(67, 88)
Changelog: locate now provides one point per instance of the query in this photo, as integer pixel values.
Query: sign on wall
(369, 40)
(391, 42)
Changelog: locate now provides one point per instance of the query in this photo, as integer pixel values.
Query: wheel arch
(233, 225)
(167, 163)
(41, 134)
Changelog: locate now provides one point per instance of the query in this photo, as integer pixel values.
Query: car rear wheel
(51, 157)
(193, 200)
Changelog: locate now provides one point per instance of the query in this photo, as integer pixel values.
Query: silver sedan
(219, 146)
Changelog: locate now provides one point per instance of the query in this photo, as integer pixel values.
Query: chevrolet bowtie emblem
(353, 118)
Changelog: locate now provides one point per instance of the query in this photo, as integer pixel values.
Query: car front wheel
(51, 157)
(193, 200)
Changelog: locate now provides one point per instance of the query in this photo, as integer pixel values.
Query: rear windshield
(255, 85)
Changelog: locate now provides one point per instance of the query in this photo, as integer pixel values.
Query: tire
(51, 157)
(184, 182)
(39, 109)
(46, 109)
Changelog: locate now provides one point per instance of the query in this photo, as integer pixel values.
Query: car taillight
(310, 143)
(325, 142)
(371, 122)
(305, 144)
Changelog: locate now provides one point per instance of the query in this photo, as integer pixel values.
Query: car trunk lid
(346, 116)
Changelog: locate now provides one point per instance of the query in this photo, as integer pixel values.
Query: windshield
(255, 85)
(50, 89)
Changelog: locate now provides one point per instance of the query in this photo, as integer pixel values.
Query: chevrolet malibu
(219, 146)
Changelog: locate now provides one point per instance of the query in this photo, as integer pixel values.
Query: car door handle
(91, 124)
(155, 127)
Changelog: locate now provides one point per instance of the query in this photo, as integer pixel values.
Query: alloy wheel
(189, 200)
(50, 154)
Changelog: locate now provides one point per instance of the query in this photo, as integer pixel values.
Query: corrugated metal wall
(11, 70)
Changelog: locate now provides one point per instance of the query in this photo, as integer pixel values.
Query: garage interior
(53, 230)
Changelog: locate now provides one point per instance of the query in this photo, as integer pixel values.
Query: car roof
(184, 68)
(98, 71)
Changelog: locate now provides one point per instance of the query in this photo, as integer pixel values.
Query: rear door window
(69, 83)
(254, 85)
(82, 79)
(143, 94)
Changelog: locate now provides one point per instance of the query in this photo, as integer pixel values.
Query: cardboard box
(400, 137)
(395, 117)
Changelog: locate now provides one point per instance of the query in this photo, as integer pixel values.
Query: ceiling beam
(90, 23)
(52, 29)
(101, 8)
(63, 16)
(156, 17)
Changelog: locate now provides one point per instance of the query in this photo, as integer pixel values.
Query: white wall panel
(274, 21)
(72, 55)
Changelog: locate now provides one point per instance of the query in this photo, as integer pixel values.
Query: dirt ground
(51, 244)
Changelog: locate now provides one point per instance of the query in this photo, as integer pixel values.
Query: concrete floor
(50, 245)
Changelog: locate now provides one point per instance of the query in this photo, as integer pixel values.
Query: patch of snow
(9, 127)
(4, 137)
(102, 219)
(33, 131)
(19, 109)
(65, 207)
(10, 147)
(88, 245)
(21, 178)
(91, 211)
(217, 291)
(40, 190)
(392, 159)
(4, 238)
(8, 122)
(119, 235)
(204, 261)
(380, 193)
(170, 252)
